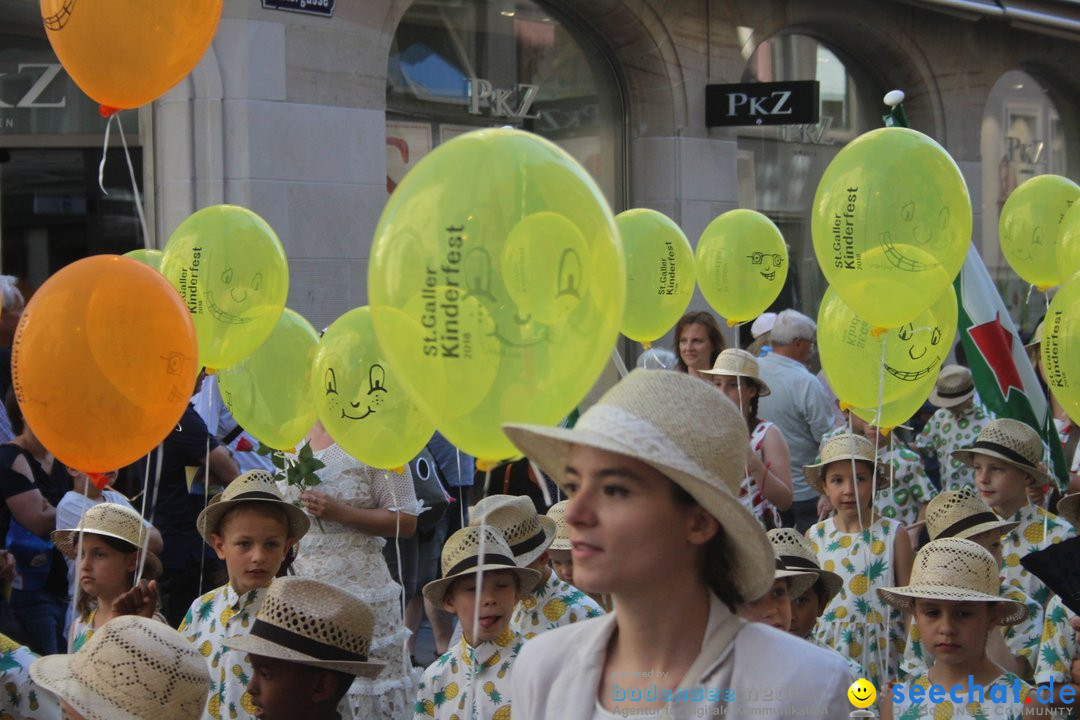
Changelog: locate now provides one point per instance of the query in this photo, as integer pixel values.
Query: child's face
(563, 565)
(496, 599)
(253, 543)
(991, 540)
(953, 631)
(104, 572)
(738, 390)
(840, 487)
(1001, 486)
(772, 608)
(281, 690)
(805, 610)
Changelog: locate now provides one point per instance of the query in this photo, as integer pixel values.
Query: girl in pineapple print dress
(867, 552)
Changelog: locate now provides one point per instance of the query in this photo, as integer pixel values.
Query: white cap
(762, 324)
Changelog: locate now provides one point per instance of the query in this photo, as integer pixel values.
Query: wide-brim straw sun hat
(252, 486)
(312, 623)
(794, 551)
(109, 520)
(958, 570)
(1068, 507)
(847, 446)
(132, 668)
(461, 557)
(526, 532)
(686, 430)
(557, 512)
(1012, 442)
(741, 364)
(963, 514)
(953, 387)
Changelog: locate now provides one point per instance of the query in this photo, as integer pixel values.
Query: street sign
(774, 103)
(311, 7)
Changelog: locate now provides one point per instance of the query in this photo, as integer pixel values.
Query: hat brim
(752, 558)
(560, 544)
(964, 455)
(813, 473)
(210, 518)
(833, 584)
(67, 541)
(799, 581)
(1002, 526)
(435, 590)
(53, 673)
(948, 402)
(903, 598)
(1068, 507)
(763, 388)
(266, 648)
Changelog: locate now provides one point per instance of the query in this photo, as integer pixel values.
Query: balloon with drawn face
(863, 369)
(497, 286)
(358, 399)
(231, 271)
(1032, 220)
(741, 264)
(891, 224)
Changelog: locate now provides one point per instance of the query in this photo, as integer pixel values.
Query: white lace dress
(353, 561)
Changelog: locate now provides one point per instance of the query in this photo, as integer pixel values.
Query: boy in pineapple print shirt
(252, 529)
(1059, 652)
(21, 698)
(552, 603)
(959, 419)
(471, 681)
(1007, 458)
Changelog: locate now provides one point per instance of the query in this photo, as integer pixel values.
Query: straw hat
(962, 514)
(557, 512)
(738, 363)
(527, 533)
(461, 557)
(762, 324)
(958, 570)
(252, 486)
(848, 446)
(683, 428)
(1012, 442)
(953, 387)
(1068, 507)
(111, 520)
(132, 668)
(312, 623)
(795, 552)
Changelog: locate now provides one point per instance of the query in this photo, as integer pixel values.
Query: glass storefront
(457, 65)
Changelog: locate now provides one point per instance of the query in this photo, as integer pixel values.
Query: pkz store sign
(311, 7)
(515, 104)
(775, 103)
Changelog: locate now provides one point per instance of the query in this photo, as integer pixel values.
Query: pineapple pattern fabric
(22, 699)
(210, 619)
(82, 630)
(945, 432)
(553, 604)
(1038, 529)
(1058, 645)
(1023, 639)
(444, 689)
(858, 623)
(986, 710)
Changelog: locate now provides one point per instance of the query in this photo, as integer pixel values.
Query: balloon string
(206, 486)
(405, 663)
(1027, 299)
(78, 559)
(542, 482)
(616, 358)
(461, 505)
(104, 154)
(478, 597)
(134, 185)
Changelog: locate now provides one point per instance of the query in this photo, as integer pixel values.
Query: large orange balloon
(104, 362)
(125, 53)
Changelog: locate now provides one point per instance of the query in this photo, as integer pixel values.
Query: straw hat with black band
(954, 386)
(526, 532)
(461, 557)
(962, 514)
(794, 551)
(252, 486)
(1012, 442)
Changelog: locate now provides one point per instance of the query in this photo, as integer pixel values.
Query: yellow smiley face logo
(862, 693)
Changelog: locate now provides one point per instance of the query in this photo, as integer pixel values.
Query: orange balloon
(125, 53)
(104, 362)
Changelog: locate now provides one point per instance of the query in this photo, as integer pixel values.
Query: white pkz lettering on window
(514, 103)
(31, 98)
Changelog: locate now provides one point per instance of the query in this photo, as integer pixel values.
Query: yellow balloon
(1030, 224)
(361, 400)
(741, 264)
(913, 353)
(659, 273)
(152, 258)
(896, 412)
(1068, 245)
(269, 391)
(497, 286)
(891, 224)
(124, 54)
(230, 269)
(1061, 346)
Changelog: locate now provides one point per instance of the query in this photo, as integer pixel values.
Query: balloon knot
(400, 469)
(486, 465)
(878, 332)
(106, 111)
(885, 431)
(1042, 288)
(845, 406)
(100, 480)
(209, 370)
(732, 323)
(646, 344)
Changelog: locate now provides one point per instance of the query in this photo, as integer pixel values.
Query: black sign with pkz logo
(775, 103)
(312, 7)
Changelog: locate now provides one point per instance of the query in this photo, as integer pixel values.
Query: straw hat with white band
(958, 570)
(741, 364)
(1012, 442)
(962, 514)
(526, 532)
(683, 428)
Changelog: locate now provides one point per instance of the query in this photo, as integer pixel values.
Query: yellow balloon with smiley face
(1031, 223)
